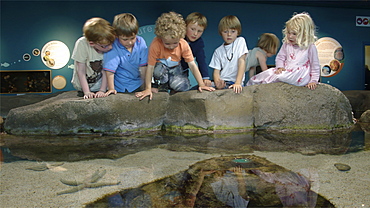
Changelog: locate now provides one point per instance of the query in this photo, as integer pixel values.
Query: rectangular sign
(362, 21)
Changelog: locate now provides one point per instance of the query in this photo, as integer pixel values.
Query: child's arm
(148, 84)
(239, 77)
(81, 72)
(315, 67)
(194, 69)
(110, 81)
(219, 83)
(142, 70)
(103, 87)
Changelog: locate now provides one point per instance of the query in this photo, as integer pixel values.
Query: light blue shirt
(125, 65)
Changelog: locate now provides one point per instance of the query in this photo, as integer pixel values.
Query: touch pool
(163, 169)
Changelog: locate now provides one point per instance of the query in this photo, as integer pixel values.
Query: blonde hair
(229, 22)
(269, 42)
(305, 28)
(125, 24)
(98, 30)
(198, 18)
(171, 25)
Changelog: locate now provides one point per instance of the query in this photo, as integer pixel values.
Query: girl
(267, 46)
(297, 62)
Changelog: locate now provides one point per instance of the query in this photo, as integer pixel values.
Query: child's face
(170, 43)
(127, 42)
(229, 35)
(101, 48)
(292, 37)
(194, 31)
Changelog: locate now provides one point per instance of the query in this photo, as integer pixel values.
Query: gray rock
(360, 101)
(342, 167)
(277, 106)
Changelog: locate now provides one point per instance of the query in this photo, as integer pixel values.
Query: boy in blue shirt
(126, 63)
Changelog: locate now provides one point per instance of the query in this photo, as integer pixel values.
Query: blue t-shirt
(125, 65)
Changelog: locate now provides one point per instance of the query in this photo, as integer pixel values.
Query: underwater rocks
(342, 167)
(276, 106)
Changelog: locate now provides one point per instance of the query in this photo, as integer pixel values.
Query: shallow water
(172, 191)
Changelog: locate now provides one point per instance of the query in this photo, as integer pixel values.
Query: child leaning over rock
(165, 53)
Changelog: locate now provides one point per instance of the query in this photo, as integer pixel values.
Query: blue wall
(26, 25)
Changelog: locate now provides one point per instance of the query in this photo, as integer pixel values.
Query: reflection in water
(77, 148)
(224, 182)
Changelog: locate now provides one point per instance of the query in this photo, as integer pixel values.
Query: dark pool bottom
(242, 181)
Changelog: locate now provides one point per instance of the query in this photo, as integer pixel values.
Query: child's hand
(311, 85)
(220, 84)
(207, 82)
(279, 70)
(100, 94)
(89, 95)
(110, 92)
(237, 88)
(141, 95)
(203, 87)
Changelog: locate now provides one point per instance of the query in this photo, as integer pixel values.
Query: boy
(196, 23)
(165, 54)
(126, 63)
(228, 60)
(88, 77)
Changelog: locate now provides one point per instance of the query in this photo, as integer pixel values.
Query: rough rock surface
(360, 101)
(271, 106)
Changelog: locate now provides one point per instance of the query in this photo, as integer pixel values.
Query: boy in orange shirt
(165, 54)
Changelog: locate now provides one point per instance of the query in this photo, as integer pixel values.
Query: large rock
(272, 106)
(360, 101)
(69, 114)
(280, 105)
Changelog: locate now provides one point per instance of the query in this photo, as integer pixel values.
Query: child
(228, 60)
(88, 76)
(126, 63)
(196, 23)
(165, 54)
(297, 62)
(267, 46)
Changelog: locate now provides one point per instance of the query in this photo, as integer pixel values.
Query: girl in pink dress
(297, 62)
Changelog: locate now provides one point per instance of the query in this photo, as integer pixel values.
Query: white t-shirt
(225, 58)
(84, 53)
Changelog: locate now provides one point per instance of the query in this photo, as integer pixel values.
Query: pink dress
(302, 67)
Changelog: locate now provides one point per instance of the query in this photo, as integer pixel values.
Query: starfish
(89, 182)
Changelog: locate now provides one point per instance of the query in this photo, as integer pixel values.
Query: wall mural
(331, 56)
(55, 54)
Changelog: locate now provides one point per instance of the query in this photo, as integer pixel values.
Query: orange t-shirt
(158, 52)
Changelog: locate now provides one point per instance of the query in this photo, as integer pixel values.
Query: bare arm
(110, 81)
(239, 77)
(81, 72)
(194, 69)
(148, 84)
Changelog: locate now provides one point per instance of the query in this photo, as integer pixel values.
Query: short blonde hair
(170, 24)
(229, 22)
(305, 28)
(269, 42)
(198, 18)
(125, 24)
(98, 30)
